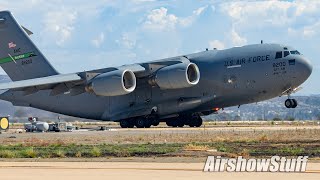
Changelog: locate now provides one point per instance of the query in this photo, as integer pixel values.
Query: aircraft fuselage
(230, 77)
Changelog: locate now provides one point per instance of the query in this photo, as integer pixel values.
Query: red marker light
(216, 109)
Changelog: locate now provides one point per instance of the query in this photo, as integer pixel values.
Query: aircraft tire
(140, 123)
(191, 124)
(295, 103)
(153, 119)
(131, 123)
(180, 122)
(291, 103)
(168, 122)
(288, 103)
(197, 121)
(155, 122)
(124, 123)
(174, 123)
(147, 124)
(194, 121)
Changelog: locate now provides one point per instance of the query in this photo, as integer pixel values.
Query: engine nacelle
(177, 76)
(114, 83)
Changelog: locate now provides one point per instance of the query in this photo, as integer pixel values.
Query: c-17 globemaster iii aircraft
(168, 90)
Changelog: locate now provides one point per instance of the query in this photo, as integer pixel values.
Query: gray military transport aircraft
(168, 90)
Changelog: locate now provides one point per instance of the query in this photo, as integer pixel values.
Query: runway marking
(141, 169)
(55, 167)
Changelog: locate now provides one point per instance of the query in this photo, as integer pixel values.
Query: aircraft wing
(62, 83)
(63, 78)
(75, 82)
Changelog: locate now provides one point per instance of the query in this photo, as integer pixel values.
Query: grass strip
(247, 149)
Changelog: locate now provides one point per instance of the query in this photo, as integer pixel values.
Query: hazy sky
(78, 35)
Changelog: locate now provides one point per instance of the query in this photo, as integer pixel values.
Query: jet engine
(114, 83)
(177, 76)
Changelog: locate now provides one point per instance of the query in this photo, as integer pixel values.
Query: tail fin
(19, 57)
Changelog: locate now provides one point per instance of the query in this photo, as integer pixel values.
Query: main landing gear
(140, 122)
(127, 123)
(153, 120)
(291, 103)
(192, 121)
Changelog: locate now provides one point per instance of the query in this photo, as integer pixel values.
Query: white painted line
(234, 66)
(12, 58)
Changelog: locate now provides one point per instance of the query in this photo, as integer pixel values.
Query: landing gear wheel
(147, 123)
(195, 121)
(131, 123)
(169, 123)
(198, 122)
(174, 123)
(153, 120)
(124, 123)
(295, 103)
(291, 103)
(180, 124)
(140, 123)
(288, 103)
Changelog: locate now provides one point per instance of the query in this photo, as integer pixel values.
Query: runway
(134, 170)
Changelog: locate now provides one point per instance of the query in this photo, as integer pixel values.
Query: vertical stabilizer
(19, 57)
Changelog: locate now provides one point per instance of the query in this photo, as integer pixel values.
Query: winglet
(27, 31)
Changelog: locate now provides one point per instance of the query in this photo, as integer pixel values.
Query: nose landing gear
(291, 103)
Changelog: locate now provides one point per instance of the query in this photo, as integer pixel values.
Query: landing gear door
(120, 103)
(143, 95)
(291, 70)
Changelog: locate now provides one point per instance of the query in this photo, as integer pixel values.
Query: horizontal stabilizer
(63, 78)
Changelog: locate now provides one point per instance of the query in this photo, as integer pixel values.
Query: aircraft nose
(304, 68)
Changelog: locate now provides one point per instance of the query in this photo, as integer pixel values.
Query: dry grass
(7, 154)
(195, 147)
(95, 152)
(29, 153)
(143, 143)
(163, 136)
(59, 153)
(224, 136)
(79, 154)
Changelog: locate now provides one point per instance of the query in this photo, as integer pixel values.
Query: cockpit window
(279, 54)
(286, 53)
(295, 52)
